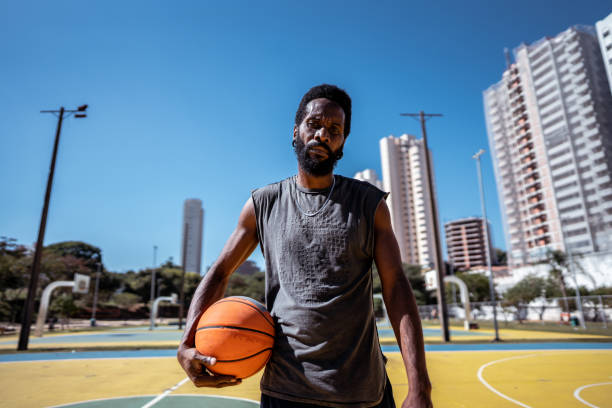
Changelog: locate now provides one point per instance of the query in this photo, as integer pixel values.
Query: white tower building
(549, 127)
(604, 35)
(193, 227)
(404, 176)
(370, 176)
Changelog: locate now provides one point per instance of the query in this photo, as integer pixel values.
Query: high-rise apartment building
(466, 244)
(370, 176)
(549, 127)
(193, 226)
(405, 177)
(604, 35)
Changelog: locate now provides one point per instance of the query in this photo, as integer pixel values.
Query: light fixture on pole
(485, 225)
(28, 312)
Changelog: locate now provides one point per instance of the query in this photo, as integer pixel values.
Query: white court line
(165, 393)
(579, 390)
(138, 396)
(486, 384)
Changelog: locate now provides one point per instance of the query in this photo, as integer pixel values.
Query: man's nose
(322, 135)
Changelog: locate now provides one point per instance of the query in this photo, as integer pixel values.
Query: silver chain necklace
(312, 214)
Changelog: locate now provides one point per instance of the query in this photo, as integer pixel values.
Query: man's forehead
(324, 106)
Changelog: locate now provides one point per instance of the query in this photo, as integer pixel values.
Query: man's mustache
(315, 143)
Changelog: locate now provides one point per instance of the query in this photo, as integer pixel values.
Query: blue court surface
(83, 355)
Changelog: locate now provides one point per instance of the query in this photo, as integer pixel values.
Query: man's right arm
(237, 249)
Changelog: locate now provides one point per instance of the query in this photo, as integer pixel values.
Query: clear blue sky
(196, 99)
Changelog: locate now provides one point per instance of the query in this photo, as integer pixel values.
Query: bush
(124, 299)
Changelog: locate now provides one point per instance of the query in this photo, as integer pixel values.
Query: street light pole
(95, 299)
(28, 312)
(486, 237)
(153, 274)
(153, 284)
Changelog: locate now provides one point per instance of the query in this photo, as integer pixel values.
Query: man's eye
(312, 124)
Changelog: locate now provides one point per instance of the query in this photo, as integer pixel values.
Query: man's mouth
(320, 149)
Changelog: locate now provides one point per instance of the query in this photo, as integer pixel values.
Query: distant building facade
(604, 35)
(549, 123)
(370, 176)
(405, 177)
(193, 228)
(466, 244)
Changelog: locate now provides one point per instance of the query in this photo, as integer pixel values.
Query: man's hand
(195, 365)
(418, 400)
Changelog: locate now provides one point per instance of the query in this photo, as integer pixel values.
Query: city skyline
(198, 101)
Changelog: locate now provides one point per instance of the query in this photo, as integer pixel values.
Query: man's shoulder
(271, 189)
(360, 185)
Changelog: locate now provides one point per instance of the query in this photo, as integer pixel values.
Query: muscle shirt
(319, 292)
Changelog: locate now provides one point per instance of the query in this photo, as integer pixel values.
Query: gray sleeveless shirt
(319, 291)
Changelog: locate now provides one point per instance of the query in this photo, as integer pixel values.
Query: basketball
(239, 332)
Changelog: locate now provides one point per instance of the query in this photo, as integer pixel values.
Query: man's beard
(311, 165)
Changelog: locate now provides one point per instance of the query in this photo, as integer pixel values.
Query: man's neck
(310, 181)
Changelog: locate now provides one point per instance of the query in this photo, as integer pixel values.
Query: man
(319, 234)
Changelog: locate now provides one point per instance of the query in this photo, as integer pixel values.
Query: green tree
(125, 299)
(63, 305)
(477, 284)
(89, 254)
(252, 286)
(559, 265)
(529, 288)
(414, 274)
(502, 256)
(14, 268)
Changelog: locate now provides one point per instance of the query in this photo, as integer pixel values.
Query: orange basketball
(239, 332)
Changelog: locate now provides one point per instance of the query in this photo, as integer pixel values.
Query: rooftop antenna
(507, 55)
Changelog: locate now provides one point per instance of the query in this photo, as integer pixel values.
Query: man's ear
(295, 133)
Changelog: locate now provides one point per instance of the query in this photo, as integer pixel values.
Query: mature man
(319, 234)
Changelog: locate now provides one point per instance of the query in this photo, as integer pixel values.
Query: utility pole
(182, 288)
(438, 260)
(26, 321)
(486, 236)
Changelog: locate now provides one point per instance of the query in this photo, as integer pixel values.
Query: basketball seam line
(249, 305)
(243, 358)
(234, 327)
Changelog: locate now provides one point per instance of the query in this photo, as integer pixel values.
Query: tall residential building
(193, 226)
(465, 243)
(370, 176)
(604, 35)
(549, 127)
(404, 176)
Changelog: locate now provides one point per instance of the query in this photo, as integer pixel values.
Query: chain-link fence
(596, 309)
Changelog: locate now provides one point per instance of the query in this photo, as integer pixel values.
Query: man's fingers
(218, 381)
(207, 360)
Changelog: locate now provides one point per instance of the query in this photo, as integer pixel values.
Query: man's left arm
(401, 309)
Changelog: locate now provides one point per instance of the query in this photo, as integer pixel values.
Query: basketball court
(546, 373)
(165, 336)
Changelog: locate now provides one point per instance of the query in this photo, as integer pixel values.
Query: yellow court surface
(483, 378)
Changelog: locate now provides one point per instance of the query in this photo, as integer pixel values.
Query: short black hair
(334, 94)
